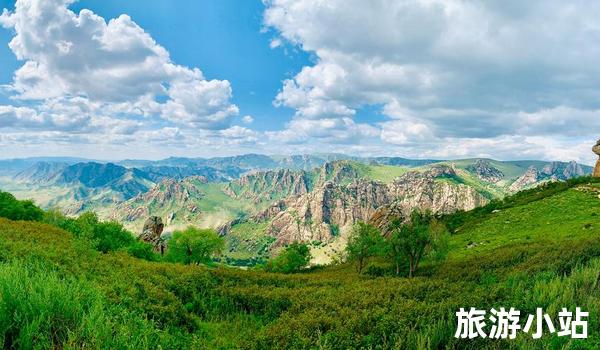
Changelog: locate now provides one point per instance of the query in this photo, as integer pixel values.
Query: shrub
(14, 209)
(335, 230)
(142, 250)
(105, 236)
(194, 245)
(294, 258)
(410, 242)
(111, 236)
(365, 241)
(42, 310)
(377, 269)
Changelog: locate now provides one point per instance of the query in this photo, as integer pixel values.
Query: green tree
(410, 242)
(365, 241)
(105, 236)
(194, 245)
(14, 209)
(110, 236)
(293, 258)
(142, 250)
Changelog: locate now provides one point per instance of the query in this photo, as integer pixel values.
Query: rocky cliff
(553, 171)
(563, 171)
(278, 184)
(484, 171)
(269, 185)
(168, 199)
(429, 190)
(528, 179)
(320, 214)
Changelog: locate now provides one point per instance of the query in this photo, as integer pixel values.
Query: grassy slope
(510, 169)
(383, 173)
(247, 242)
(541, 254)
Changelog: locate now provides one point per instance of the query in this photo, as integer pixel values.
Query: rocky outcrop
(317, 215)
(562, 171)
(427, 191)
(151, 234)
(336, 172)
(269, 185)
(312, 216)
(170, 198)
(596, 150)
(528, 179)
(553, 171)
(484, 170)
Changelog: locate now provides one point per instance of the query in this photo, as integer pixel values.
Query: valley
(536, 248)
(261, 203)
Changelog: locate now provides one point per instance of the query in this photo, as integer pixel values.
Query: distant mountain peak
(485, 171)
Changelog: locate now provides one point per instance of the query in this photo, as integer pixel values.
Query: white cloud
(114, 67)
(275, 43)
(448, 70)
(402, 132)
(239, 132)
(325, 130)
(509, 79)
(200, 103)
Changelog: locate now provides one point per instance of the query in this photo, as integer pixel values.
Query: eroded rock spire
(596, 150)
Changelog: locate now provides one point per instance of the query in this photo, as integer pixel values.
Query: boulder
(151, 233)
(596, 150)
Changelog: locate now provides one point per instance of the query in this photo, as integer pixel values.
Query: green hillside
(540, 248)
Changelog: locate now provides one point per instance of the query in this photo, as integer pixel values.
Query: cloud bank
(445, 78)
(452, 77)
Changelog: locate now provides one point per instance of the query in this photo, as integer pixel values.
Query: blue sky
(223, 37)
(423, 79)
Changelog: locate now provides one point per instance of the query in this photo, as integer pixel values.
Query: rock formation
(312, 216)
(596, 150)
(171, 199)
(553, 171)
(484, 170)
(318, 214)
(269, 185)
(153, 228)
(425, 191)
(563, 171)
(529, 178)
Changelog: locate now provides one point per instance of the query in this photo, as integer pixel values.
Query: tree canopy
(365, 241)
(293, 258)
(409, 242)
(194, 245)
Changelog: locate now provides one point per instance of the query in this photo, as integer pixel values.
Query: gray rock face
(554, 171)
(269, 185)
(596, 150)
(484, 170)
(529, 178)
(313, 216)
(563, 171)
(153, 228)
(425, 191)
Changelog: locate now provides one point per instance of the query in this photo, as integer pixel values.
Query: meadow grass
(537, 249)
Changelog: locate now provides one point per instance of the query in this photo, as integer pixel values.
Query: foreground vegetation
(540, 248)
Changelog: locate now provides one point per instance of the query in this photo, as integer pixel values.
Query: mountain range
(260, 203)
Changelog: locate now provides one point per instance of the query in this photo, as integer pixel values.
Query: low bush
(14, 209)
(293, 258)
